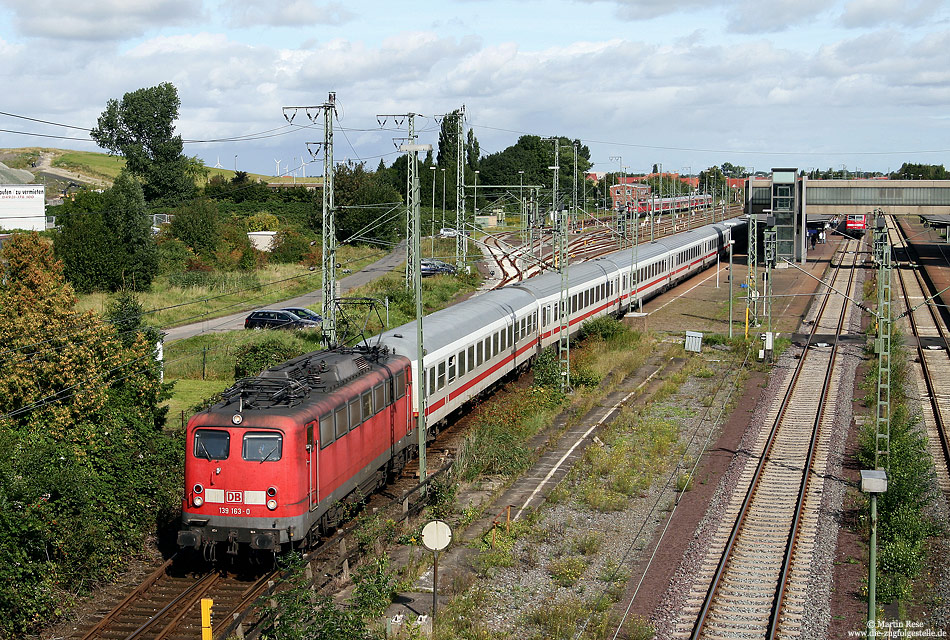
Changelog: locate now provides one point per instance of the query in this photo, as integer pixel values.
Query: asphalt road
(236, 320)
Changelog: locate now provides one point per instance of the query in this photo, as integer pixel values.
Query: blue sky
(692, 83)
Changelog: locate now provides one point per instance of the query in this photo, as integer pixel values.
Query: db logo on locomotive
(234, 496)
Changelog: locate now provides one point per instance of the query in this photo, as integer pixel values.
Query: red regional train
(276, 460)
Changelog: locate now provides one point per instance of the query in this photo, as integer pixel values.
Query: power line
(726, 151)
(101, 321)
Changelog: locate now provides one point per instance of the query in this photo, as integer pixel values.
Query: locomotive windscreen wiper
(201, 446)
(276, 446)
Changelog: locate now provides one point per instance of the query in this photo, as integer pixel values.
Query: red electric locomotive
(278, 458)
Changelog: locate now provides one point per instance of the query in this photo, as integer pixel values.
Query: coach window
(354, 407)
(326, 430)
(441, 375)
(544, 316)
(451, 369)
(431, 380)
(366, 400)
(378, 397)
(495, 341)
(400, 384)
(478, 353)
(471, 357)
(262, 446)
(212, 444)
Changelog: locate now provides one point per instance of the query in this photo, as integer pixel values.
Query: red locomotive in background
(280, 457)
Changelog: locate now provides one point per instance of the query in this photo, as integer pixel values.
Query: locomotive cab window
(326, 430)
(212, 444)
(400, 384)
(262, 446)
(378, 397)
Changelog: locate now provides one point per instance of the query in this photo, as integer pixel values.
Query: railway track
(166, 604)
(513, 261)
(933, 360)
(753, 581)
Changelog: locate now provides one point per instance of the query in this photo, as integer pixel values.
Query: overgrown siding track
(933, 360)
(753, 581)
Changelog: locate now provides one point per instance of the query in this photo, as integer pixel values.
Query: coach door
(313, 458)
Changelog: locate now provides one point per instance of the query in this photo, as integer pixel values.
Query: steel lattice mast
(460, 257)
(882, 253)
(329, 225)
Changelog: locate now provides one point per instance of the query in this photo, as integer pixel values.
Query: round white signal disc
(436, 535)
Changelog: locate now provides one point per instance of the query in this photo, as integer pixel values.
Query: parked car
(277, 319)
(430, 267)
(304, 314)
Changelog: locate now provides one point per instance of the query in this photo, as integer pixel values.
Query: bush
(605, 328)
(196, 224)
(173, 255)
(290, 247)
(567, 571)
(262, 221)
(253, 359)
(375, 583)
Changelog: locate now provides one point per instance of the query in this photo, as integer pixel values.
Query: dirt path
(45, 165)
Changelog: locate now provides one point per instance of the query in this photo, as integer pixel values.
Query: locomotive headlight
(198, 488)
(271, 504)
(197, 501)
(272, 491)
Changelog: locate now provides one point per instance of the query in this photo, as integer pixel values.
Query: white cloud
(873, 13)
(757, 16)
(634, 10)
(290, 13)
(100, 20)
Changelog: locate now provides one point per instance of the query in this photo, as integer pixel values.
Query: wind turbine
(277, 170)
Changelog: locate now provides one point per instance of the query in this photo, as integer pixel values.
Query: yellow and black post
(206, 630)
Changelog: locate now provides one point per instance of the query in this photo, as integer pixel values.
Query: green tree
(110, 246)
(364, 202)
(915, 171)
(733, 170)
(141, 127)
(473, 152)
(85, 468)
(196, 224)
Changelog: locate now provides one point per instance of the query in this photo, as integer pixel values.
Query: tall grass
(184, 298)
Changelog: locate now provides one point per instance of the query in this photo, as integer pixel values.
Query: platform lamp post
(873, 482)
(620, 192)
